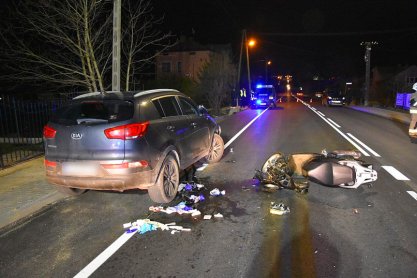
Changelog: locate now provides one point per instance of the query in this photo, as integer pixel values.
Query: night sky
(303, 36)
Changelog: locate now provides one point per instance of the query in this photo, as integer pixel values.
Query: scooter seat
(328, 172)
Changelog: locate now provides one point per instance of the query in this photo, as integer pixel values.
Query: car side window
(187, 107)
(168, 106)
(152, 111)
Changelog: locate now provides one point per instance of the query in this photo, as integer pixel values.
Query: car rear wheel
(166, 187)
(216, 150)
(69, 191)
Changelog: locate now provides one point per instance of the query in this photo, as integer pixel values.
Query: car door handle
(194, 124)
(171, 127)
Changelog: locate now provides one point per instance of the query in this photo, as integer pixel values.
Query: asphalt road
(330, 232)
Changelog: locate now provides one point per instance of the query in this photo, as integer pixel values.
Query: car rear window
(94, 112)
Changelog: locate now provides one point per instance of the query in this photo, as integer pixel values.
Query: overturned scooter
(335, 169)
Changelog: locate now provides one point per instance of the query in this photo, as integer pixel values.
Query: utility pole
(117, 26)
(239, 68)
(247, 63)
(368, 48)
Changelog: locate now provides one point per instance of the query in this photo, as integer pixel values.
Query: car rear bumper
(118, 182)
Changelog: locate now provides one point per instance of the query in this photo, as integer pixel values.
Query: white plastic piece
(362, 174)
(207, 217)
(127, 225)
(218, 215)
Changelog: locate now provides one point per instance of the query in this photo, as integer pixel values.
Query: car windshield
(94, 112)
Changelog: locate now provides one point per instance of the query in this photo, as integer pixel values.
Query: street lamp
(250, 43)
(268, 63)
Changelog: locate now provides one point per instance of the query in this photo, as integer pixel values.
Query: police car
(264, 96)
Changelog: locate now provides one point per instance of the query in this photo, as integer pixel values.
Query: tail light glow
(49, 132)
(48, 163)
(127, 132)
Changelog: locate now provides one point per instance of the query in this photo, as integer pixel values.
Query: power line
(331, 34)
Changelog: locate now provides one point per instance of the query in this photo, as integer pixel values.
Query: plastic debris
(355, 211)
(195, 213)
(146, 225)
(207, 217)
(279, 209)
(127, 225)
(218, 215)
(217, 192)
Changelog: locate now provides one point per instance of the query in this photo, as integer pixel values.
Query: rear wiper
(91, 121)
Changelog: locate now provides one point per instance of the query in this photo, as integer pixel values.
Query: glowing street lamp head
(269, 62)
(251, 43)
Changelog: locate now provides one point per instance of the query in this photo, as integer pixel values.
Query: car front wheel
(216, 150)
(166, 187)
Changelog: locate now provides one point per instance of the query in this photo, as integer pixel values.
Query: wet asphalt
(329, 232)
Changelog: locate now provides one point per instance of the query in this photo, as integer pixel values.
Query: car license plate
(83, 169)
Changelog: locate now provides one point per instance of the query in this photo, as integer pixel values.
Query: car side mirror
(202, 111)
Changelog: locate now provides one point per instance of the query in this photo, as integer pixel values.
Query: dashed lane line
(395, 173)
(364, 145)
(413, 194)
(333, 122)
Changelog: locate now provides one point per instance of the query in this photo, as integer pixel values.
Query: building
(186, 59)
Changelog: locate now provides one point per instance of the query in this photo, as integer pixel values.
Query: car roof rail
(147, 92)
(95, 94)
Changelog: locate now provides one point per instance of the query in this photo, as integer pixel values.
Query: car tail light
(49, 132)
(127, 132)
(48, 163)
(126, 165)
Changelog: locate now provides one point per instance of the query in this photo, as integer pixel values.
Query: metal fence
(21, 127)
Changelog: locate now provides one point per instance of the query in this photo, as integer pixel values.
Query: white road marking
(395, 173)
(365, 146)
(344, 135)
(330, 120)
(107, 253)
(413, 194)
(320, 113)
(242, 130)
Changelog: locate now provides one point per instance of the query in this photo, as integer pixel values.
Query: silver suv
(119, 141)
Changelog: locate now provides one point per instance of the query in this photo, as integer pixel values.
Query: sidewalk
(399, 116)
(25, 192)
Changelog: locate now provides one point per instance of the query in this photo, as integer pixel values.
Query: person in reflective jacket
(412, 131)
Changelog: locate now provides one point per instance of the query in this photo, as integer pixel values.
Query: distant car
(333, 98)
(299, 94)
(119, 141)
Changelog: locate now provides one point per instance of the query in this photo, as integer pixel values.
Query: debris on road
(146, 225)
(355, 211)
(279, 209)
(218, 215)
(217, 192)
(207, 217)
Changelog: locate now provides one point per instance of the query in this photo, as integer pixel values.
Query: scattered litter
(231, 150)
(127, 225)
(279, 209)
(207, 217)
(174, 231)
(355, 211)
(315, 252)
(195, 213)
(217, 192)
(146, 225)
(218, 215)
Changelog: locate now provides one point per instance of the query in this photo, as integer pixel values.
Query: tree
(217, 79)
(68, 42)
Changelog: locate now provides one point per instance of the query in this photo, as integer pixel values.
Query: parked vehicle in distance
(333, 98)
(264, 96)
(127, 140)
